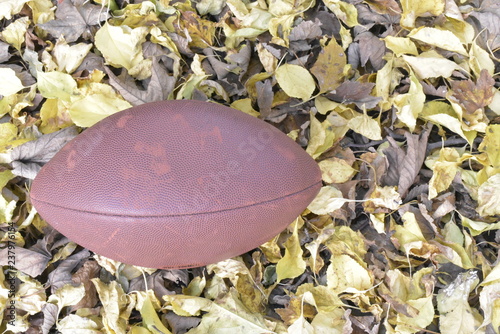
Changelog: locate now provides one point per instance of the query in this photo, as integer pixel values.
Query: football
(176, 184)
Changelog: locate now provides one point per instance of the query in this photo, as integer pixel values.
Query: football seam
(176, 215)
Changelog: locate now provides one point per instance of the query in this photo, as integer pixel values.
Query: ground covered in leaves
(397, 101)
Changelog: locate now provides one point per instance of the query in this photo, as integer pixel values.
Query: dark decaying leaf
(84, 275)
(181, 325)
(162, 282)
(158, 87)
(75, 18)
(62, 275)
(50, 312)
(28, 261)
(28, 159)
(355, 92)
(405, 166)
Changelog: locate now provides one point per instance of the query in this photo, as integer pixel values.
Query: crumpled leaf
(345, 11)
(410, 105)
(456, 315)
(114, 309)
(345, 274)
(296, 81)
(491, 145)
(489, 196)
(335, 170)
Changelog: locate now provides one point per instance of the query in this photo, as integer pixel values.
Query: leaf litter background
(398, 102)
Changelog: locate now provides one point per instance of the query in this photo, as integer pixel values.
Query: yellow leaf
(10, 7)
(384, 197)
(491, 145)
(444, 171)
(73, 323)
(443, 39)
(150, 318)
(346, 275)
(321, 137)
(366, 126)
(95, 102)
(9, 82)
(424, 318)
(430, 64)
(296, 81)
(477, 227)
(329, 67)
(443, 114)
(114, 310)
(410, 105)
(401, 45)
(413, 9)
(292, 264)
(344, 11)
(489, 197)
(335, 170)
(69, 57)
(121, 46)
(56, 85)
(54, 115)
(43, 11)
(15, 32)
(328, 200)
(479, 59)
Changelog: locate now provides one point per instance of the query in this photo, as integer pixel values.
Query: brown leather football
(176, 184)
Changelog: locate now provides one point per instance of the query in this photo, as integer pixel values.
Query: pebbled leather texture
(176, 184)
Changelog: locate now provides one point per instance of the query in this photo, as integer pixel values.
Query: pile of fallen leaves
(397, 101)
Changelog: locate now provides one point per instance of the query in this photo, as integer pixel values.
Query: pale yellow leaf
(431, 65)
(410, 105)
(401, 45)
(15, 33)
(121, 46)
(480, 59)
(69, 57)
(296, 81)
(56, 85)
(443, 39)
(73, 323)
(491, 145)
(335, 170)
(328, 200)
(9, 82)
(344, 11)
(425, 316)
(413, 9)
(321, 137)
(444, 171)
(94, 103)
(8, 8)
(346, 275)
(366, 126)
(150, 318)
(489, 197)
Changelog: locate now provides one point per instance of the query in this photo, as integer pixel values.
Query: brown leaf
(329, 67)
(390, 7)
(355, 92)
(405, 166)
(474, 96)
(89, 270)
